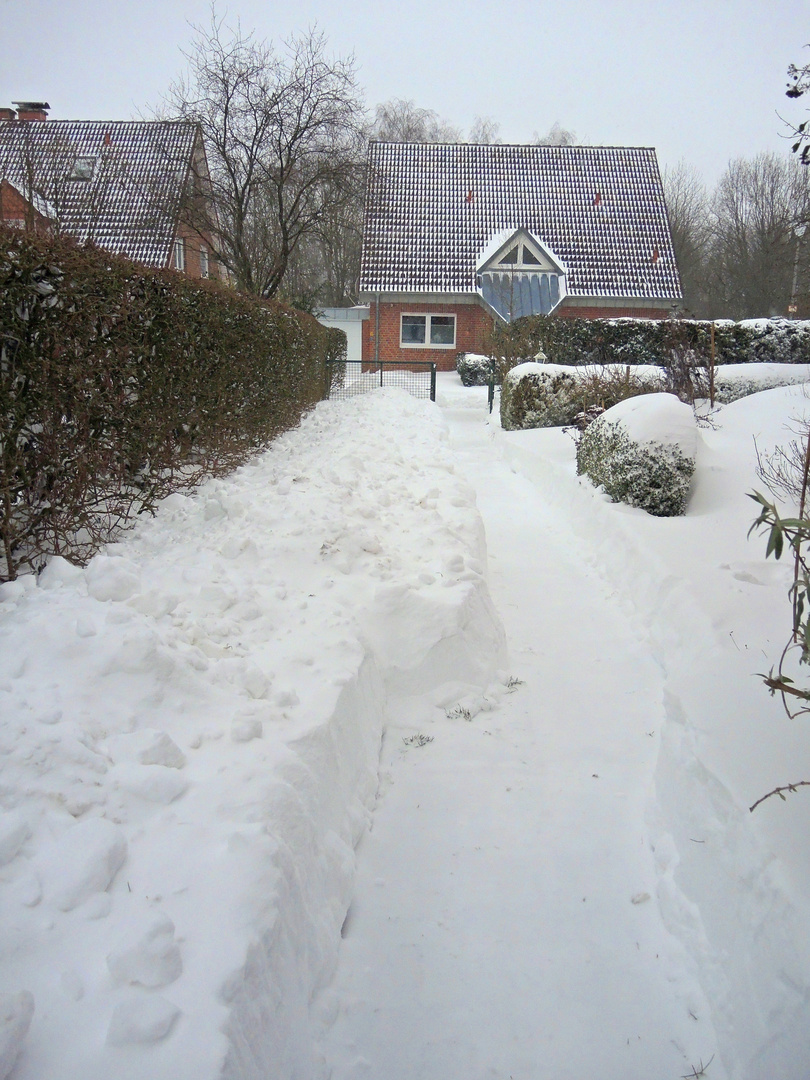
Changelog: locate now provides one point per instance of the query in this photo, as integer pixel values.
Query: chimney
(32, 110)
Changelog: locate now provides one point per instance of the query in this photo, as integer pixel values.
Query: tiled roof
(137, 173)
(431, 210)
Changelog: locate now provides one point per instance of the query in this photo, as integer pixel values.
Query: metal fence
(349, 377)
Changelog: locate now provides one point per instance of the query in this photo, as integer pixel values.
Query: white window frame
(204, 264)
(180, 255)
(428, 316)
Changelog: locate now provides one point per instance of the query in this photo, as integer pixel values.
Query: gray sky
(701, 80)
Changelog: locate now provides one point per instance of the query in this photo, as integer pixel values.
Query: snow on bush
(551, 395)
(642, 452)
(474, 369)
(735, 381)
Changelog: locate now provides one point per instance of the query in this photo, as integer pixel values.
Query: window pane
(443, 330)
(510, 256)
(413, 329)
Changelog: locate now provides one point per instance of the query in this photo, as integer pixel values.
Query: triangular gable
(518, 275)
(518, 249)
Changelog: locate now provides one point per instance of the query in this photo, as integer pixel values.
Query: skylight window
(83, 168)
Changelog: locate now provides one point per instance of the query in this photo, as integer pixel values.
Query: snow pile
(190, 736)
(733, 886)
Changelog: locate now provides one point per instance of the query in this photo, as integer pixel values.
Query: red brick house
(459, 235)
(132, 187)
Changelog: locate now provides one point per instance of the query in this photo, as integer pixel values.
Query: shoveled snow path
(526, 945)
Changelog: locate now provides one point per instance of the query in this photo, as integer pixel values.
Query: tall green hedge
(119, 383)
(650, 341)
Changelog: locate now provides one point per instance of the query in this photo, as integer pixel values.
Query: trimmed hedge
(119, 383)
(548, 395)
(650, 341)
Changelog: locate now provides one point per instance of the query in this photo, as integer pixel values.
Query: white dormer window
(517, 274)
(180, 255)
(522, 257)
(83, 168)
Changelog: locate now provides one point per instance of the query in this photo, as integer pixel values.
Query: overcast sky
(701, 80)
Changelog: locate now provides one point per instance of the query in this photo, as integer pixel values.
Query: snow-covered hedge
(551, 395)
(649, 341)
(474, 369)
(117, 381)
(642, 452)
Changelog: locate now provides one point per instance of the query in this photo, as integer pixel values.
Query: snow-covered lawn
(557, 874)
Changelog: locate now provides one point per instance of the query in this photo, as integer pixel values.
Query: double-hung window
(428, 332)
(180, 255)
(203, 261)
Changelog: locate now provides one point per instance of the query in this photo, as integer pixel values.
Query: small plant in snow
(417, 740)
(698, 1071)
(512, 683)
(791, 476)
(458, 712)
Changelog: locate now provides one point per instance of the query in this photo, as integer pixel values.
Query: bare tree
(555, 136)
(757, 254)
(284, 140)
(690, 223)
(400, 120)
(484, 130)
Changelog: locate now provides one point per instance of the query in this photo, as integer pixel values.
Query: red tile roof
(136, 173)
(431, 210)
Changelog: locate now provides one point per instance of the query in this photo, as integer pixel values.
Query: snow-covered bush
(475, 369)
(735, 381)
(551, 395)
(642, 452)
(648, 341)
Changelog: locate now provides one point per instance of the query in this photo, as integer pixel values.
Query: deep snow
(562, 877)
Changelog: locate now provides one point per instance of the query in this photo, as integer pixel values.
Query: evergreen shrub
(650, 341)
(652, 476)
(120, 383)
(548, 395)
(474, 369)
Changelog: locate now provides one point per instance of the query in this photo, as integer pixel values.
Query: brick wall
(15, 210)
(473, 325)
(611, 312)
(193, 240)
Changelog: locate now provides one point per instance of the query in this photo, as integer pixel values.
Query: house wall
(473, 326)
(15, 210)
(192, 239)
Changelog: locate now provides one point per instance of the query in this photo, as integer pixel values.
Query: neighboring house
(132, 187)
(350, 321)
(457, 236)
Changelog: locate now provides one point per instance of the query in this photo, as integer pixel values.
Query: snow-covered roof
(119, 183)
(432, 209)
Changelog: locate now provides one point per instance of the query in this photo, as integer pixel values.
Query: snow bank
(732, 886)
(191, 729)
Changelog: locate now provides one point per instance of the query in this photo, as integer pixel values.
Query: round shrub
(652, 474)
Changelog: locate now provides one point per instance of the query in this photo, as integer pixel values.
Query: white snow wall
(325, 798)
(722, 888)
